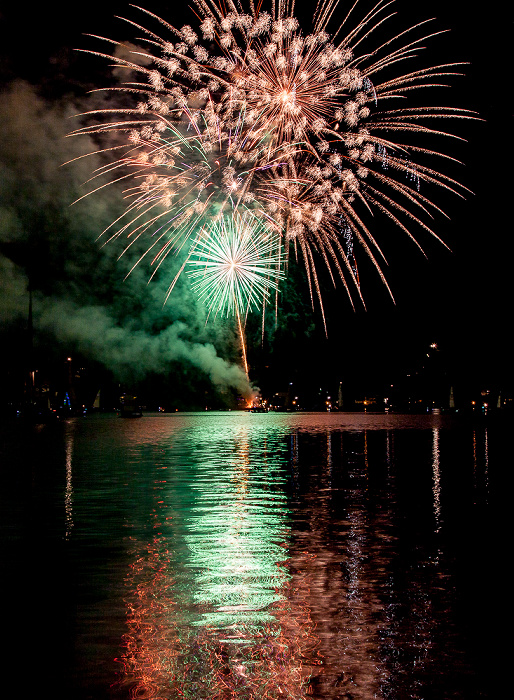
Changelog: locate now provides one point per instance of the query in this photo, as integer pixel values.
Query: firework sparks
(247, 114)
(235, 264)
(184, 178)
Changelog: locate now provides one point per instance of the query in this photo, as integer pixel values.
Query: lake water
(233, 555)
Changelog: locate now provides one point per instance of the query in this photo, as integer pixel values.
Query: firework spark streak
(248, 116)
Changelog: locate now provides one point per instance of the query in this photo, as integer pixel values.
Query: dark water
(248, 556)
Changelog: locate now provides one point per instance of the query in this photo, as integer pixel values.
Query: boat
(130, 407)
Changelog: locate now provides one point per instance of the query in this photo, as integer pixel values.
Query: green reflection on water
(236, 529)
(208, 609)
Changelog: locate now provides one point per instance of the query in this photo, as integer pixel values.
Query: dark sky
(459, 299)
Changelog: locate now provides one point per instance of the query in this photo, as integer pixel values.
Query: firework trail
(249, 115)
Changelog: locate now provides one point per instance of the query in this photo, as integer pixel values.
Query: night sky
(461, 299)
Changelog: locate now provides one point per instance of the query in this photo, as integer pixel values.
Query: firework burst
(249, 115)
(235, 264)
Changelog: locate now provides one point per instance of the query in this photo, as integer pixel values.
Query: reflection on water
(68, 498)
(274, 556)
(437, 478)
(208, 607)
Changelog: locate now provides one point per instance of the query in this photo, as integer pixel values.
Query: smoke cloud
(135, 352)
(80, 295)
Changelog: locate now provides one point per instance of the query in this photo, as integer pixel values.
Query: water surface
(231, 555)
